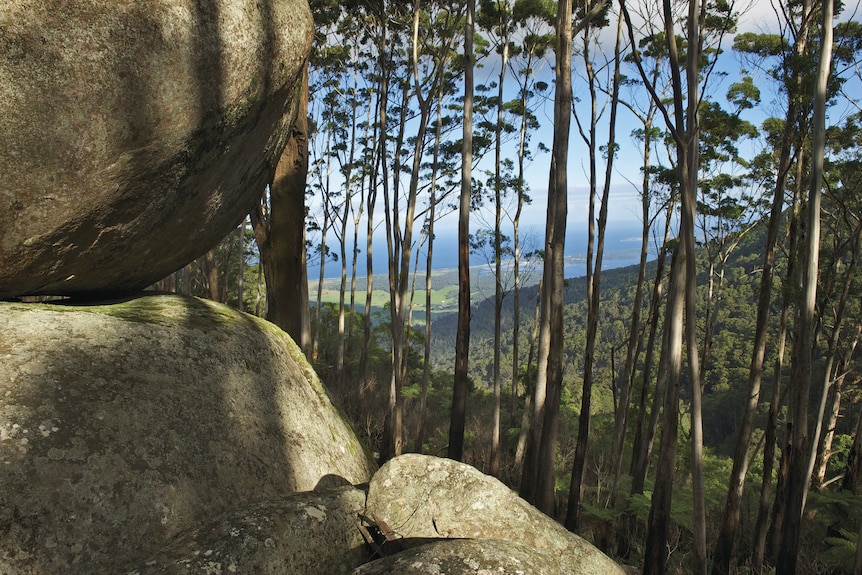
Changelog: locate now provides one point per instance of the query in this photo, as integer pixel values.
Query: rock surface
(420, 496)
(464, 557)
(301, 534)
(124, 425)
(135, 135)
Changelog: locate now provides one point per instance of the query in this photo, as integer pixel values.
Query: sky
(624, 201)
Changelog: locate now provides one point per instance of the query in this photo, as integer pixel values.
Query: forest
(697, 412)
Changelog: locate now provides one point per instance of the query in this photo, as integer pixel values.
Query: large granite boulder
(465, 557)
(135, 135)
(307, 533)
(124, 425)
(421, 497)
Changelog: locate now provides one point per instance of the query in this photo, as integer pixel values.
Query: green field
(444, 293)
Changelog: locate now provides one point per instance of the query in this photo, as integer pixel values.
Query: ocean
(622, 248)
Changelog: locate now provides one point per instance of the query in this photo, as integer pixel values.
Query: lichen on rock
(421, 497)
(311, 533)
(125, 425)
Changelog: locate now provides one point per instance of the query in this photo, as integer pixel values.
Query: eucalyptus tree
(386, 48)
(792, 49)
(344, 124)
(532, 18)
(328, 63)
(440, 176)
(842, 238)
(538, 477)
(788, 145)
(431, 47)
(537, 481)
(803, 345)
(592, 25)
(655, 180)
(497, 19)
(458, 412)
(704, 28)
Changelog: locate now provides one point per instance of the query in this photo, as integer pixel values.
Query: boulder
(135, 135)
(420, 497)
(123, 425)
(465, 557)
(300, 534)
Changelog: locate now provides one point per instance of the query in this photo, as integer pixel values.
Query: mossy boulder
(124, 425)
(135, 135)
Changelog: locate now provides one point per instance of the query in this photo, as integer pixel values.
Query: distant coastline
(622, 249)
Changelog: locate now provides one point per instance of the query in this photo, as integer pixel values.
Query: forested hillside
(696, 412)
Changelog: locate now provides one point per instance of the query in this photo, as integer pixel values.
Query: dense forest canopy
(701, 405)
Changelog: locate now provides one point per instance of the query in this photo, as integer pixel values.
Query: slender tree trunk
(393, 250)
(825, 454)
(594, 290)
(552, 318)
(324, 252)
(658, 523)
(687, 219)
(378, 157)
(830, 376)
(498, 262)
(432, 216)
(803, 348)
(726, 544)
(211, 275)
(644, 438)
(462, 338)
(342, 234)
(521, 450)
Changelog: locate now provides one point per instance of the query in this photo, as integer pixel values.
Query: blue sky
(624, 202)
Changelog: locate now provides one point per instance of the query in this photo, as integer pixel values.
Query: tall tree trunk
(544, 443)
(645, 431)
(658, 523)
(341, 232)
(803, 348)
(681, 307)
(378, 157)
(498, 261)
(324, 251)
(634, 341)
(429, 258)
(211, 275)
(687, 219)
(458, 413)
(725, 548)
(764, 513)
(526, 415)
(594, 293)
(280, 233)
